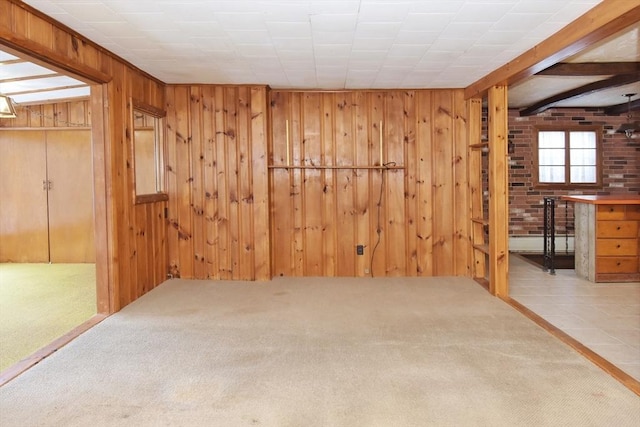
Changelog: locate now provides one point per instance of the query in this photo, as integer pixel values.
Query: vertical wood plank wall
(130, 238)
(72, 114)
(218, 182)
(498, 192)
(319, 216)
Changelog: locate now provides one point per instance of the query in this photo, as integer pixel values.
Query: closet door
(23, 197)
(70, 171)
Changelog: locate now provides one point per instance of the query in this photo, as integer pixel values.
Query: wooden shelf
(482, 248)
(333, 167)
(482, 221)
(480, 146)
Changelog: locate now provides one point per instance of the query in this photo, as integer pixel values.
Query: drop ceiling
(337, 44)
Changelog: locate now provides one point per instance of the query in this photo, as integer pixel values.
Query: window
(568, 158)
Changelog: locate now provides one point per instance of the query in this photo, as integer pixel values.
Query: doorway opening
(49, 284)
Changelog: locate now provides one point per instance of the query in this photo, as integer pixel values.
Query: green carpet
(41, 302)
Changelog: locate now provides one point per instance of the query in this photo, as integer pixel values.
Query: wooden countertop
(620, 199)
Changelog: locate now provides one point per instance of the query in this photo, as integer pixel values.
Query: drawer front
(633, 212)
(617, 247)
(609, 229)
(617, 264)
(610, 212)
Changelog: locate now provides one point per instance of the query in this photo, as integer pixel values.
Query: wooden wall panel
(121, 232)
(498, 117)
(73, 114)
(320, 214)
(462, 225)
(377, 254)
(394, 131)
(259, 176)
(425, 206)
(217, 182)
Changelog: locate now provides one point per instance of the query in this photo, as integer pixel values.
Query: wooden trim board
(604, 20)
(617, 373)
(35, 358)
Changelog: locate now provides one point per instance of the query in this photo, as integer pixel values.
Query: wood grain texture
(217, 182)
(498, 192)
(71, 219)
(46, 205)
(23, 165)
(319, 216)
(72, 114)
(476, 199)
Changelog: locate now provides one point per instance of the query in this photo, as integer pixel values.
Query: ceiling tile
(333, 22)
(427, 22)
(430, 6)
(318, 42)
(289, 29)
(383, 11)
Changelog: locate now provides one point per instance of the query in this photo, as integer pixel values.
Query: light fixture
(7, 110)
(629, 127)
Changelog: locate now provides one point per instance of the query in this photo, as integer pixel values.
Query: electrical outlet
(360, 249)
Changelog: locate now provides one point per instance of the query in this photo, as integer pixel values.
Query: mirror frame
(158, 114)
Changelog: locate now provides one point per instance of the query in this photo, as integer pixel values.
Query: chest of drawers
(607, 239)
(617, 243)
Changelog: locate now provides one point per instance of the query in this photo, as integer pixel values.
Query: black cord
(379, 206)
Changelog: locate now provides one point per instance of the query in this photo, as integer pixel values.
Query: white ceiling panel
(180, 29)
(334, 44)
(605, 98)
(542, 87)
(619, 47)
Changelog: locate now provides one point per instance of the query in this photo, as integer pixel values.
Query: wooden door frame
(102, 204)
(102, 208)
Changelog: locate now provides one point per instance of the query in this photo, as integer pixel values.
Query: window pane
(550, 139)
(582, 139)
(551, 174)
(583, 174)
(583, 157)
(551, 156)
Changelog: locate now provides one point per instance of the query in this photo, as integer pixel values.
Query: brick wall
(620, 160)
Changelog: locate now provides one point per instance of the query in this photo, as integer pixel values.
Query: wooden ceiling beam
(574, 69)
(50, 89)
(605, 19)
(587, 89)
(34, 77)
(615, 110)
(12, 61)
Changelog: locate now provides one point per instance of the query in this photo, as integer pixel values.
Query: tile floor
(603, 316)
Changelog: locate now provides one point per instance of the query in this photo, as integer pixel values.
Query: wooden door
(70, 172)
(23, 200)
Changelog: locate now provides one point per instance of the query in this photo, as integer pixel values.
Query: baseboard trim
(617, 373)
(35, 358)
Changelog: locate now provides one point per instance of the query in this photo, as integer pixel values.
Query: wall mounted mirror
(148, 153)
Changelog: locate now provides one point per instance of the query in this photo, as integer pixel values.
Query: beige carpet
(41, 302)
(317, 352)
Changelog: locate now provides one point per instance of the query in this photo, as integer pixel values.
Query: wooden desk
(607, 237)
